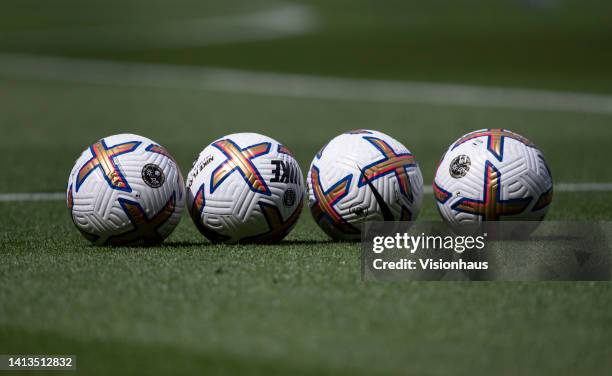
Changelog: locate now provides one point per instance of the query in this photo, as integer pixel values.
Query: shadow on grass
(207, 244)
(309, 242)
(187, 244)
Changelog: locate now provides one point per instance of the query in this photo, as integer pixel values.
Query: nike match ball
(245, 188)
(361, 176)
(125, 190)
(492, 175)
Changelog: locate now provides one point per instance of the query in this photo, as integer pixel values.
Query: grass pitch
(298, 307)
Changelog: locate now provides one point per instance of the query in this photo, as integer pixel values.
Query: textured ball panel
(125, 189)
(491, 175)
(245, 187)
(361, 176)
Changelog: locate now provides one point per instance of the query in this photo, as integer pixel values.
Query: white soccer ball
(492, 175)
(245, 188)
(360, 176)
(125, 189)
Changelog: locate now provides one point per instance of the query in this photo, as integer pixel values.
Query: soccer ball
(360, 176)
(125, 189)
(492, 175)
(245, 188)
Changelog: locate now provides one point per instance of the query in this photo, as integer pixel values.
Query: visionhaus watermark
(521, 251)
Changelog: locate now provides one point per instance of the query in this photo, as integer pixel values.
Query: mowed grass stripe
(277, 20)
(294, 85)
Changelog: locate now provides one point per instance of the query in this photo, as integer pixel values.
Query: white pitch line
(60, 196)
(293, 85)
(583, 187)
(36, 196)
(565, 187)
(277, 21)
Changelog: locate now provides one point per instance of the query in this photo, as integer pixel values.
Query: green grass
(300, 307)
(507, 43)
(504, 43)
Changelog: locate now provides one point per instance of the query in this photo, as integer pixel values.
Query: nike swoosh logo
(384, 208)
